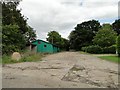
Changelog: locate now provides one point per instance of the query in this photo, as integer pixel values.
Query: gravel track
(62, 70)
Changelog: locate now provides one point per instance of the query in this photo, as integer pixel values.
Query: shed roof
(45, 42)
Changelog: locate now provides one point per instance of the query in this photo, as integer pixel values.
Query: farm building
(43, 47)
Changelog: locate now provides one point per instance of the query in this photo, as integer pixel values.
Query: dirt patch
(64, 70)
(80, 74)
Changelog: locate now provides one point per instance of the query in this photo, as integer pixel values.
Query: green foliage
(64, 44)
(118, 45)
(30, 35)
(105, 37)
(12, 15)
(28, 58)
(94, 49)
(16, 33)
(73, 38)
(32, 58)
(56, 39)
(83, 34)
(7, 59)
(84, 49)
(98, 50)
(110, 49)
(111, 58)
(116, 26)
(12, 39)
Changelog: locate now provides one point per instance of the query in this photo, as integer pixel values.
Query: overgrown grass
(115, 59)
(25, 58)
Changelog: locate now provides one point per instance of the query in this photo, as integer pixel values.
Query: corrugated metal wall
(45, 47)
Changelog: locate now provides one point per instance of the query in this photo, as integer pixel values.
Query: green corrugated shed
(45, 47)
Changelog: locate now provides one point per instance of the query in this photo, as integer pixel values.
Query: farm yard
(60, 44)
(62, 70)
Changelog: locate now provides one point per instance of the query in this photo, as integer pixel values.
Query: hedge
(109, 50)
(118, 45)
(94, 49)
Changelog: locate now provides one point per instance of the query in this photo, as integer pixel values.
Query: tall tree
(13, 20)
(54, 37)
(12, 15)
(116, 26)
(30, 35)
(73, 37)
(83, 34)
(106, 36)
(65, 44)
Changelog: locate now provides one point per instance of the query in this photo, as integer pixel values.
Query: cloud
(63, 15)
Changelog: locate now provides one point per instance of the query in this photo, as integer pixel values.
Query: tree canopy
(106, 36)
(16, 33)
(116, 26)
(83, 34)
(55, 38)
(12, 39)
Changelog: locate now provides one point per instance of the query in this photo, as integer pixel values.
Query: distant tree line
(83, 34)
(89, 36)
(16, 33)
(92, 37)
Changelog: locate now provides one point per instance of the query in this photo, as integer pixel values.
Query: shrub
(118, 45)
(94, 49)
(84, 49)
(110, 50)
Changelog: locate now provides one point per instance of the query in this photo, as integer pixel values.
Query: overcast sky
(64, 15)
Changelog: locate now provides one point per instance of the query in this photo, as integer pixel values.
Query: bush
(84, 49)
(110, 50)
(118, 45)
(94, 49)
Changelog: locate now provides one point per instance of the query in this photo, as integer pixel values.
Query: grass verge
(26, 58)
(115, 59)
(81, 52)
